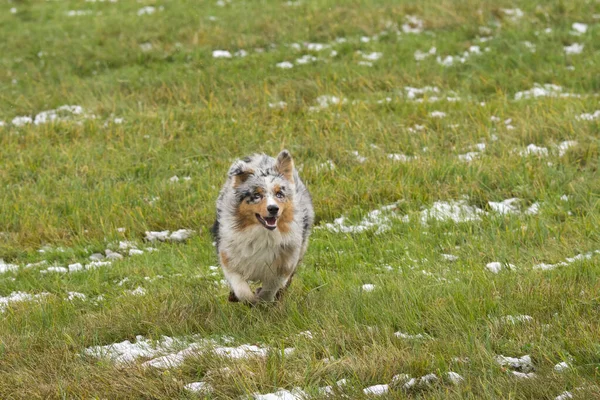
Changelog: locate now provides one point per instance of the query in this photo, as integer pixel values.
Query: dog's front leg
(270, 288)
(240, 288)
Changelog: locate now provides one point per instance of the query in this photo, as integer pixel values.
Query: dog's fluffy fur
(264, 218)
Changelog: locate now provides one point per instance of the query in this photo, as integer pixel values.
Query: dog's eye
(279, 195)
(256, 196)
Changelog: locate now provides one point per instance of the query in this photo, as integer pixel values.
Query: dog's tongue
(271, 221)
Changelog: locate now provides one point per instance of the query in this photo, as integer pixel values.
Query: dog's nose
(273, 209)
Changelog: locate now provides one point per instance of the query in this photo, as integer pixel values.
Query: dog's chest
(255, 254)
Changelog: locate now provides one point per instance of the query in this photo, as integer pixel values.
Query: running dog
(264, 218)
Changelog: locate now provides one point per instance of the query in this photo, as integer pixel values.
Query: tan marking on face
(246, 214)
(286, 215)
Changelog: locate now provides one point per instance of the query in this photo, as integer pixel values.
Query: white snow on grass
(359, 158)
(166, 236)
(524, 375)
(76, 295)
(327, 165)
(521, 364)
(513, 14)
(496, 267)
(278, 105)
(449, 61)
(401, 157)
(564, 146)
(449, 257)
(413, 25)
(564, 396)
(562, 366)
(17, 297)
(148, 10)
(376, 390)
(166, 353)
(374, 56)
(535, 150)
(514, 319)
(282, 394)
(437, 114)
(579, 28)
(407, 336)
(284, 65)
(508, 206)
(325, 101)
(420, 55)
(244, 351)
(589, 116)
(139, 291)
(377, 220)
(513, 206)
(454, 377)
(62, 113)
(78, 13)
(76, 267)
(406, 382)
(221, 54)
(578, 257)
(198, 387)
(368, 287)
(457, 211)
(470, 156)
(21, 121)
(575, 48)
(417, 94)
(4, 267)
(306, 59)
(329, 390)
(546, 90)
(127, 352)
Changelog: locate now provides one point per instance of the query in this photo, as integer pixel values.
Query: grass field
(442, 110)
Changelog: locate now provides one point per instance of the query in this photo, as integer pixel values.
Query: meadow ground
(476, 123)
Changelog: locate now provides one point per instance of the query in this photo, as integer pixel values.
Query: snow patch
(407, 336)
(377, 219)
(325, 101)
(282, 394)
(578, 257)
(368, 287)
(514, 319)
(546, 90)
(575, 48)
(521, 364)
(221, 54)
(457, 211)
(589, 116)
(166, 236)
(376, 390)
(4, 267)
(17, 297)
(496, 267)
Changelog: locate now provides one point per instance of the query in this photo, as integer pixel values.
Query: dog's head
(264, 190)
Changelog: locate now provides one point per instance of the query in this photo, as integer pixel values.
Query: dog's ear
(240, 172)
(285, 165)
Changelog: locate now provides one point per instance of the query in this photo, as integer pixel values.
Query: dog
(264, 219)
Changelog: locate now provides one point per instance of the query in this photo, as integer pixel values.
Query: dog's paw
(233, 298)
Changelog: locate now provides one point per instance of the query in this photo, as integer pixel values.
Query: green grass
(68, 186)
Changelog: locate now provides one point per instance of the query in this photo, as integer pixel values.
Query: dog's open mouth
(269, 222)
